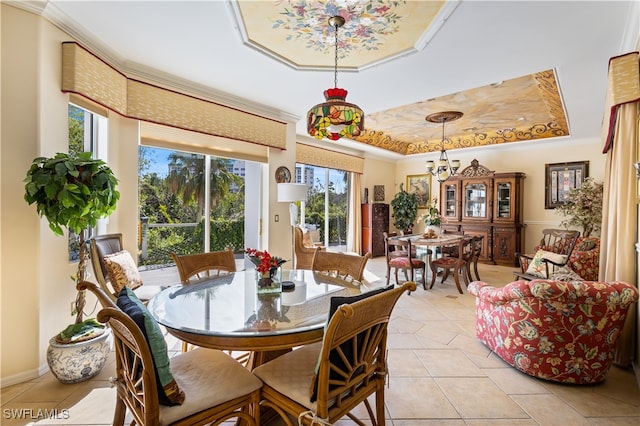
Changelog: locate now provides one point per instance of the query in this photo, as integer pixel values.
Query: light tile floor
(439, 374)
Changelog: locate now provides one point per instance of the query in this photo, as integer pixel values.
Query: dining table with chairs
(425, 247)
(226, 312)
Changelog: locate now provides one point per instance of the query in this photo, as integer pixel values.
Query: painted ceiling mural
(297, 33)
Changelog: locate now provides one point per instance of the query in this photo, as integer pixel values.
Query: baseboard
(24, 376)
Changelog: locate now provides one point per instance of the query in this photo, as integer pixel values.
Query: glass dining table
(227, 313)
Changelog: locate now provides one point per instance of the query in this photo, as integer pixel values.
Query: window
(87, 133)
(184, 197)
(325, 210)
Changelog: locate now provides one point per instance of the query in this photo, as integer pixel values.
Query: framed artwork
(560, 178)
(420, 185)
(378, 193)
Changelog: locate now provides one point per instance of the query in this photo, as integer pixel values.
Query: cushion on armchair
(554, 330)
(585, 258)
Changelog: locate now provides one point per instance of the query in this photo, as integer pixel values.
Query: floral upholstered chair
(554, 330)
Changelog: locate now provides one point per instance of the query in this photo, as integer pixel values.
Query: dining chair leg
(457, 278)
(424, 276)
(388, 274)
(434, 272)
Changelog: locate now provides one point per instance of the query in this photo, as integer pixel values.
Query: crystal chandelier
(445, 168)
(335, 118)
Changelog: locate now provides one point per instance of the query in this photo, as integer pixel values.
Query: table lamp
(290, 193)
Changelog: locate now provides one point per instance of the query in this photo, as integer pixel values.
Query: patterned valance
(87, 75)
(623, 87)
(322, 157)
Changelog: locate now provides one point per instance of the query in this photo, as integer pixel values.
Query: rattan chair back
(99, 247)
(349, 267)
(193, 267)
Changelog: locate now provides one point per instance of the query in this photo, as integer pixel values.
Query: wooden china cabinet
(479, 201)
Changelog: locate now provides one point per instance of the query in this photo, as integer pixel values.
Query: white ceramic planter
(77, 362)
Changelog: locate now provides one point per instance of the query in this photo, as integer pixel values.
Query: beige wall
(36, 291)
(528, 157)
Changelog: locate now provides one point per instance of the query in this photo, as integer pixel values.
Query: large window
(325, 211)
(87, 133)
(189, 203)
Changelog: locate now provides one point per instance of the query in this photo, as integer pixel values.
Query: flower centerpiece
(267, 270)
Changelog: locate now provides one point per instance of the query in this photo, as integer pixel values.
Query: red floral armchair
(554, 330)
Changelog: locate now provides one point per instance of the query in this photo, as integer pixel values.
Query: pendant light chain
(335, 73)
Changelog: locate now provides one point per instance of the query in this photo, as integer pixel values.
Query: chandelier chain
(335, 73)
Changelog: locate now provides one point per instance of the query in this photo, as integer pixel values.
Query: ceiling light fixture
(445, 168)
(335, 118)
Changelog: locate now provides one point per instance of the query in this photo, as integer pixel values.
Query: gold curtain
(86, 75)
(354, 227)
(619, 224)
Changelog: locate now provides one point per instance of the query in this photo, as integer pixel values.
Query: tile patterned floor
(440, 374)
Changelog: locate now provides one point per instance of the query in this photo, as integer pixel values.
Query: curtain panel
(86, 75)
(618, 257)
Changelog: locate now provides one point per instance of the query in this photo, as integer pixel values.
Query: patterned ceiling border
(547, 84)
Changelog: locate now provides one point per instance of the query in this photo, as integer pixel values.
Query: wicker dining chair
(323, 382)
(101, 246)
(193, 267)
(216, 388)
(349, 267)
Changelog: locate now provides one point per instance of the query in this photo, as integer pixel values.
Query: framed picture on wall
(420, 185)
(560, 178)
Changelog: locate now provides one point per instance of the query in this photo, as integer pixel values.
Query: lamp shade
(290, 192)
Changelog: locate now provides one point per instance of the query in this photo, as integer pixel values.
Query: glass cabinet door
(475, 200)
(449, 199)
(503, 200)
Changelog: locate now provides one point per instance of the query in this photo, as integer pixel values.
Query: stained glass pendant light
(335, 118)
(445, 168)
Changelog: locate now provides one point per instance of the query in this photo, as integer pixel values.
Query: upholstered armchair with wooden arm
(304, 248)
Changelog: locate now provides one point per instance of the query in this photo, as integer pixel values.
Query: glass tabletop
(229, 306)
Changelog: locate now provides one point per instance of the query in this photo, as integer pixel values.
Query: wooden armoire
(479, 201)
(375, 221)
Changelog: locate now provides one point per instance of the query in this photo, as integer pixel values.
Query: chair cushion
(537, 265)
(565, 274)
(586, 244)
(122, 271)
(168, 391)
(292, 373)
(208, 378)
(403, 262)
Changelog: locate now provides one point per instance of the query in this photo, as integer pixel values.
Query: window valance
(87, 75)
(321, 157)
(623, 87)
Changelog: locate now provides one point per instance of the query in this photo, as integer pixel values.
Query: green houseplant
(405, 210)
(584, 207)
(73, 191)
(432, 216)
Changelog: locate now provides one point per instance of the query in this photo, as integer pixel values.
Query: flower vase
(269, 282)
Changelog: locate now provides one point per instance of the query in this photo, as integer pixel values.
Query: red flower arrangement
(264, 262)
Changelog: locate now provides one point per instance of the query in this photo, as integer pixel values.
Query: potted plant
(73, 192)
(584, 207)
(405, 210)
(432, 218)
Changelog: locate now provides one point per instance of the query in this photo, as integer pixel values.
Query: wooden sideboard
(375, 221)
(479, 201)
